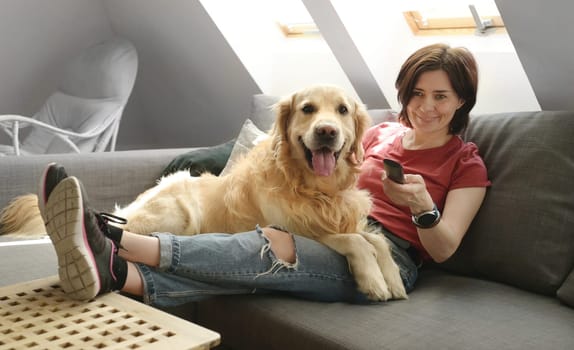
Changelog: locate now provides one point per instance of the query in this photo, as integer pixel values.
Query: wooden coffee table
(38, 315)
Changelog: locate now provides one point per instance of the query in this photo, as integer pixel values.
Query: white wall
(385, 40)
(378, 28)
(279, 65)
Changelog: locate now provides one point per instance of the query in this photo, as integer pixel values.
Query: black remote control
(394, 170)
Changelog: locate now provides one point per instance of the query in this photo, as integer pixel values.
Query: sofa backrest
(524, 232)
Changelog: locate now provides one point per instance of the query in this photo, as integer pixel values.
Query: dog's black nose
(326, 132)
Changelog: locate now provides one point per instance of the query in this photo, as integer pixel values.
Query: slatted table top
(38, 315)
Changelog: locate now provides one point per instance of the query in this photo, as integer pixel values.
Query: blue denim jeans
(195, 267)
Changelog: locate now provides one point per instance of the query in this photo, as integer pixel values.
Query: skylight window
(294, 20)
(299, 30)
(456, 19)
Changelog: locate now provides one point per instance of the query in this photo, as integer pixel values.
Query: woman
(425, 218)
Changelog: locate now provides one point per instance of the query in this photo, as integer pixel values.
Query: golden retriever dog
(301, 178)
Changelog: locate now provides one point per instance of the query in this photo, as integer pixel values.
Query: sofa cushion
(444, 311)
(524, 232)
(199, 160)
(110, 178)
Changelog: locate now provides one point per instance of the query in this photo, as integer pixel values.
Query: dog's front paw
(394, 281)
(373, 285)
(388, 267)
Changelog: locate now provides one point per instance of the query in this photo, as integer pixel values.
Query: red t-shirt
(454, 165)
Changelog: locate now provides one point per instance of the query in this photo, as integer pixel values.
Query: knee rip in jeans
(282, 245)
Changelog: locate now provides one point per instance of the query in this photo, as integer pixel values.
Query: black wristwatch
(427, 219)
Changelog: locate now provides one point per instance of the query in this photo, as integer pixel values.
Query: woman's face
(433, 103)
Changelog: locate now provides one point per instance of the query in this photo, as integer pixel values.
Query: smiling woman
(432, 107)
(437, 87)
(457, 74)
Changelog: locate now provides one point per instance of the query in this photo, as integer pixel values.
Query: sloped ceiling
(346, 52)
(542, 33)
(192, 89)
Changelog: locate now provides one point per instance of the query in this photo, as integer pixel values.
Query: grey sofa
(509, 286)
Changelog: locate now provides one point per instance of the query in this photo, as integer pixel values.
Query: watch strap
(433, 213)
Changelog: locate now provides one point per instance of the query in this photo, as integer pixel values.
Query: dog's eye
(342, 109)
(308, 109)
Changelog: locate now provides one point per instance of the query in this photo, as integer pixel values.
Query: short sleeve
(470, 170)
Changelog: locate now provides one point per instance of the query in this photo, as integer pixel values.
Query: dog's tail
(21, 218)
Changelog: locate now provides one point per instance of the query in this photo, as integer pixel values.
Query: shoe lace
(103, 220)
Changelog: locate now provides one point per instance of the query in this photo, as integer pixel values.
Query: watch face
(427, 219)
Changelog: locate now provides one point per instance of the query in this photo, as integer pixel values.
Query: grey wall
(192, 89)
(542, 33)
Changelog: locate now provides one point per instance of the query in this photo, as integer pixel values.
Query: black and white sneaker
(88, 264)
(53, 174)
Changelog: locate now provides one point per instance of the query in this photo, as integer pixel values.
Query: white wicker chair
(84, 114)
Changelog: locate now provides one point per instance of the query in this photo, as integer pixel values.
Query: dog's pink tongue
(323, 162)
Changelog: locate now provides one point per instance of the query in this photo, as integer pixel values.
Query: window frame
(449, 25)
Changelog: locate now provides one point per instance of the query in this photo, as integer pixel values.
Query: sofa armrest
(109, 177)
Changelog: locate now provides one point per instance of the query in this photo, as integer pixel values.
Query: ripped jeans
(192, 268)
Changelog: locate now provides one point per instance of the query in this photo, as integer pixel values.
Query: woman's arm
(461, 205)
(459, 210)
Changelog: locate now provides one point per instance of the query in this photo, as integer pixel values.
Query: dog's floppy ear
(362, 123)
(283, 111)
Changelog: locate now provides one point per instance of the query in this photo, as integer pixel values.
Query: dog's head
(321, 128)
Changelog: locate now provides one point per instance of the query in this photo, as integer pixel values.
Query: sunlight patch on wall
(278, 64)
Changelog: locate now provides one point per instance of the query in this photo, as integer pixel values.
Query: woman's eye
(343, 109)
(440, 97)
(308, 109)
(417, 93)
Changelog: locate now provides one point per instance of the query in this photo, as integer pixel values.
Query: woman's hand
(413, 193)
(461, 205)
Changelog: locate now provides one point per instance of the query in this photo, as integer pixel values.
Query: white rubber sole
(65, 226)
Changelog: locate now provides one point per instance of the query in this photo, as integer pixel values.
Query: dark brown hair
(462, 71)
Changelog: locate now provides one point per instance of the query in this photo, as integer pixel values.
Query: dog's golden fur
(278, 182)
